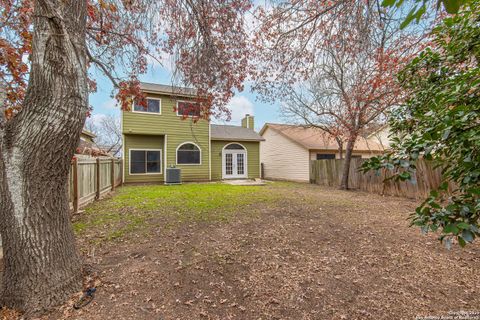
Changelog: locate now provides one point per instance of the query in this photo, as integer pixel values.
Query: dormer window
(154, 105)
(188, 108)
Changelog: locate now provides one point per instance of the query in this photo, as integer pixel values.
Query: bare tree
(108, 133)
(334, 64)
(301, 107)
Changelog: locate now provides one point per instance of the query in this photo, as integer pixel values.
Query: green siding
(142, 142)
(253, 158)
(176, 131)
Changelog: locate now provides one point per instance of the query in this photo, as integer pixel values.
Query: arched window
(234, 146)
(189, 153)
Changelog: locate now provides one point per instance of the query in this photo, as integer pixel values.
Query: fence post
(75, 184)
(121, 171)
(112, 174)
(98, 179)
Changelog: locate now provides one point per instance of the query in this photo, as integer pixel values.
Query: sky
(242, 103)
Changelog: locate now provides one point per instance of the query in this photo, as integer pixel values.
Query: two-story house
(161, 136)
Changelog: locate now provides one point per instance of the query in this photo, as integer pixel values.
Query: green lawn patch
(133, 207)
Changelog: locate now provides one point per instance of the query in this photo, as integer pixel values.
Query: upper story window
(187, 108)
(153, 106)
(189, 153)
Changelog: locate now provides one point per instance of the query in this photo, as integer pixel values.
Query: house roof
(168, 89)
(228, 132)
(89, 133)
(317, 139)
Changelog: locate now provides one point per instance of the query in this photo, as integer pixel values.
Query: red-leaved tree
(47, 48)
(333, 63)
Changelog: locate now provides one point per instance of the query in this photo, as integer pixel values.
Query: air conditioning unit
(174, 176)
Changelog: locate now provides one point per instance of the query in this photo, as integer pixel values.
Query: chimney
(248, 122)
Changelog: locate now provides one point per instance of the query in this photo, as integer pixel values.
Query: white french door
(234, 164)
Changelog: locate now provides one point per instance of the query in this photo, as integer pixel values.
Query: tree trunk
(346, 164)
(41, 264)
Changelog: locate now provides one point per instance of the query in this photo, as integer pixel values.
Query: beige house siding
(282, 158)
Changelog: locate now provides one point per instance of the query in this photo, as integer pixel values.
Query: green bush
(440, 121)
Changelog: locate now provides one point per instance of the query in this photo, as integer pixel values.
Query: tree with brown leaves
(333, 64)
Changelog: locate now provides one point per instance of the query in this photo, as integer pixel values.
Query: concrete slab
(245, 182)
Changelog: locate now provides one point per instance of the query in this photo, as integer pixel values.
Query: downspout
(209, 151)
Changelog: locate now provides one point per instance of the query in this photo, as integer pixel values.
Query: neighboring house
(87, 138)
(88, 147)
(160, 136)
(288, 149)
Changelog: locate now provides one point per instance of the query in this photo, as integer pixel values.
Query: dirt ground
(308, 253)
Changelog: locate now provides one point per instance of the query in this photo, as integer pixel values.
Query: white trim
(188, 164)
(260, 160)
(209, 151)
(123, 149)
(123, 155)
(146, 173)
(188, 116)
(165, 153)
(146, 112)
(248, 121)
(244, 151)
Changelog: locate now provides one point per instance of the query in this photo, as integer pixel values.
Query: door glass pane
(228, 164)
(240, 164)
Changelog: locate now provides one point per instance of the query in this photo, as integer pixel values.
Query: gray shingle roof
(168, 89)
(227, 132)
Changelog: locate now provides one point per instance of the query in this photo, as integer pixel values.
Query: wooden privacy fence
(91, 178)
(329, 173)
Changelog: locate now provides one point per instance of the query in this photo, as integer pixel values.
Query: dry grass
(286, 251)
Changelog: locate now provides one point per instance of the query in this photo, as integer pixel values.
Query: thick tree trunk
(42, 266)
(346, 164)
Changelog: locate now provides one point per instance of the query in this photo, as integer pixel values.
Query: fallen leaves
(366, 265)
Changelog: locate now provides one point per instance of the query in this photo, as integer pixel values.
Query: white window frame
(146, 173)
(146, 112)
(188, 164)
(181, 115)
